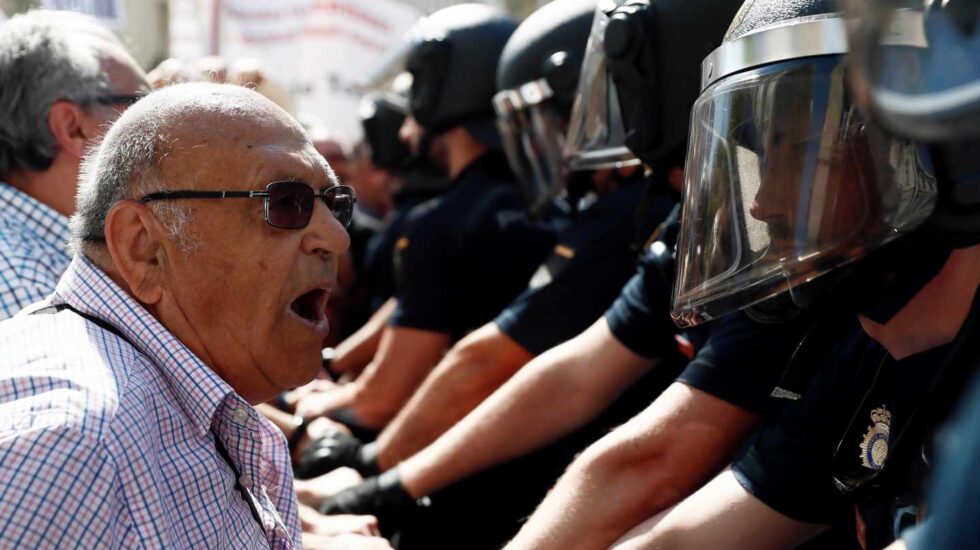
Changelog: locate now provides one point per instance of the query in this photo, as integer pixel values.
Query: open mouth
(311, 306)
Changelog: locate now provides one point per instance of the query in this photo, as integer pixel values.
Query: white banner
(315, 49)
(110, 12)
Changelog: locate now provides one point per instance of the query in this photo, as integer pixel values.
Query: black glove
(337, 450)
(382, 496)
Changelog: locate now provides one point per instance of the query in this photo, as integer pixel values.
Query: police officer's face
(826, 176)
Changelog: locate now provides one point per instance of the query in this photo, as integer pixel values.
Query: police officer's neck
(935, 314)
(461, 149)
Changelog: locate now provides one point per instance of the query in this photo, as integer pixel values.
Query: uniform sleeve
(640, 316)
(789, 466)
(742, 361)
(574, 298)
(427, 264)
(59, 489)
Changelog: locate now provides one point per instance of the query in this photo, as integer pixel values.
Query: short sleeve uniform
(468, 253)
(640, 316)
(735, 358)
(584, 273)
(378, 258)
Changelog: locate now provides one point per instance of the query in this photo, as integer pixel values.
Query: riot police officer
(464, 255)
(936, 105)
(799, 199)
(635, 334)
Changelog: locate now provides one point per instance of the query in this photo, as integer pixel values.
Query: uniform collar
(198, 389)
(489, 163)
(23, 210)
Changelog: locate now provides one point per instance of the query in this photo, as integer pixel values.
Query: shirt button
(241, 414)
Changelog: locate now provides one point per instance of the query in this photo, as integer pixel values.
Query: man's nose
(324, 233)
(757, 211)
(409, 133)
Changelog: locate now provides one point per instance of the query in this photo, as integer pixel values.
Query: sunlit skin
(843, 181)
(230, 299)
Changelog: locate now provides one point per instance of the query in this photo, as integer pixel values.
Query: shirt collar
(198, 388)
(23, 210)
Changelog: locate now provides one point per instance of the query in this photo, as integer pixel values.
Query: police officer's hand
(312, 491)
(382, 497)
(335, 450)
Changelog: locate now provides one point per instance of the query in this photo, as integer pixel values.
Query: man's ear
(133, 237)
(72, 127)
(675, 177)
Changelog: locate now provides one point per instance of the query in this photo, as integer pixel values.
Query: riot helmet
(926, 89)
(786, 180)
(537, 79)
(639, 79)
(381, 116)
(453, 62)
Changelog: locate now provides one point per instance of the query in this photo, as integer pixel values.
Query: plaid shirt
(33, 249)
(103, 445)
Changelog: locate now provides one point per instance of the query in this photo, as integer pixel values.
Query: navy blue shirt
(584, 273)
(468, 253)
(828, 451)
(736, 358)
(379, 277)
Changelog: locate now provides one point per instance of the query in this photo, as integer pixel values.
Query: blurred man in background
(63, 79)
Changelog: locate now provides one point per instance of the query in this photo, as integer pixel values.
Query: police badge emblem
(874, 448)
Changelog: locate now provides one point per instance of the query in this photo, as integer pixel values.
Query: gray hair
(45, 56)
(127, 162)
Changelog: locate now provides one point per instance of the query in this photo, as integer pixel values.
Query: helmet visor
(533, 135)
(786, 181)
(917, 64)
(596, 137)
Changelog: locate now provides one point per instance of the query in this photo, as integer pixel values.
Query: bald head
(185, 133)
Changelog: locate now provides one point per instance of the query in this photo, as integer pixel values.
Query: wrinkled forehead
(247, 153)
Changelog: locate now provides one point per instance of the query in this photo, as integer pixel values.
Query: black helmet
(381, 118)
(640, 77)
(929, 92)
(536, 80)
(453, 62)
(785, 179)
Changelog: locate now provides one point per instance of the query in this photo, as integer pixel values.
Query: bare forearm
(355, 352)
(473, 370)
(405, 357)
(556, 393)
(638, 470)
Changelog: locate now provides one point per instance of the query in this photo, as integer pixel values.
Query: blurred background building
(310, 56)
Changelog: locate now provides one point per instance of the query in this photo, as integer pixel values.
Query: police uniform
(466, 254)
(379, 277)
(733, 358)
(829, 449)
(584, 273)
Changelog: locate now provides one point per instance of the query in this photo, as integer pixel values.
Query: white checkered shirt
(103, 445)
(33, 249)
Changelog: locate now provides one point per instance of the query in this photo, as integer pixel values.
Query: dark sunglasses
(287, 204)
(117, 99)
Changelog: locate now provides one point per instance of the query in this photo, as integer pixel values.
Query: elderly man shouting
(205, 246)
